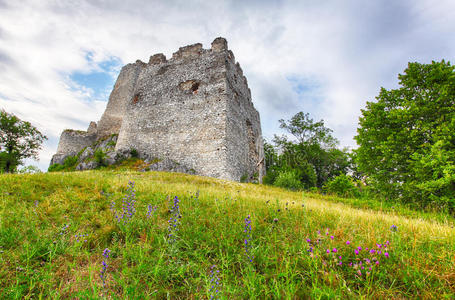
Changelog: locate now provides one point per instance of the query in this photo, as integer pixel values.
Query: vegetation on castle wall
(68, 165)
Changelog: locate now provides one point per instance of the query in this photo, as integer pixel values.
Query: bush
(288, 179)
(100, 157)
(342, 186)
(68, 165)
(134, 153)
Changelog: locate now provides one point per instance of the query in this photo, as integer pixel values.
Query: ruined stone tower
(194, 109)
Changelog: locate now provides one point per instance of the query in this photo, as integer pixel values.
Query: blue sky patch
(102, 78)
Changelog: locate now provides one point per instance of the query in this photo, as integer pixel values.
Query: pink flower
(334, 250)
(356, 252)
(328, 251)
(377, 263)
(332, 237)
(348, 242)
(386, 254)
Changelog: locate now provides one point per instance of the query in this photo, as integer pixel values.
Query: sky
(59, 59)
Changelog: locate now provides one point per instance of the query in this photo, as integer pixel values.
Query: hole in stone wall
(195, 87)
(190, 86)
(136, 98)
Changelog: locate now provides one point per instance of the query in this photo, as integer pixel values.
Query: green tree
(312, 154)
(407, 138)
(18, 140)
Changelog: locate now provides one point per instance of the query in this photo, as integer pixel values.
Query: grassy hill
(218, 239)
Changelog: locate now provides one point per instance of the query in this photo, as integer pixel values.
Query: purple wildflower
(104, 264)
(174, 220)
(128, 209)
(151, 210)
(247, 240)
(348, 242)
(214, 283)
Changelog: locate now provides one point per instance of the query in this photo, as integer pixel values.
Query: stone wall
(112, 118)
(71, 143)
(178, 111)
(243, 132)
(194, 109)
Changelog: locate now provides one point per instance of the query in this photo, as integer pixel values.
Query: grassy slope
(38, 258)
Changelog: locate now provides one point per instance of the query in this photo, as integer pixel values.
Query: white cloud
(348, 48)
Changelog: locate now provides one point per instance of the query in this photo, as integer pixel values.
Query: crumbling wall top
(157, 59)
(188, 51)
(219, 44)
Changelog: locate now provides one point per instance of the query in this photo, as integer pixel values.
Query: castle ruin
(194, 109)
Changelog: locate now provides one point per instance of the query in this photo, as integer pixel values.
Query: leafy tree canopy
(407, 137)
(18, 140)
(312, 156)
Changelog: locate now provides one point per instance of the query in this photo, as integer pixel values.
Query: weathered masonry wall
(71, 142)
(194, 109)
(178, 111)
(243, 129)
(112, 118)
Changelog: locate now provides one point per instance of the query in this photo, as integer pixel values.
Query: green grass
(41, 258)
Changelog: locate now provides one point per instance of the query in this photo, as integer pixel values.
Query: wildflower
(393, 228)
(275, 220)
(334, 250)
(128, 209)
(332, 237)
(308, 240)
(247, 239)
(174, 220)
(356, 252)
(386, 254)
(359, 248)
(372, 251)
(348, 242)
(340, 263)
(151, 210)
(328, 250)
(377, 263)
(214, 283)
(104, 264)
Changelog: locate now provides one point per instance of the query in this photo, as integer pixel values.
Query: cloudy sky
(59, 59)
